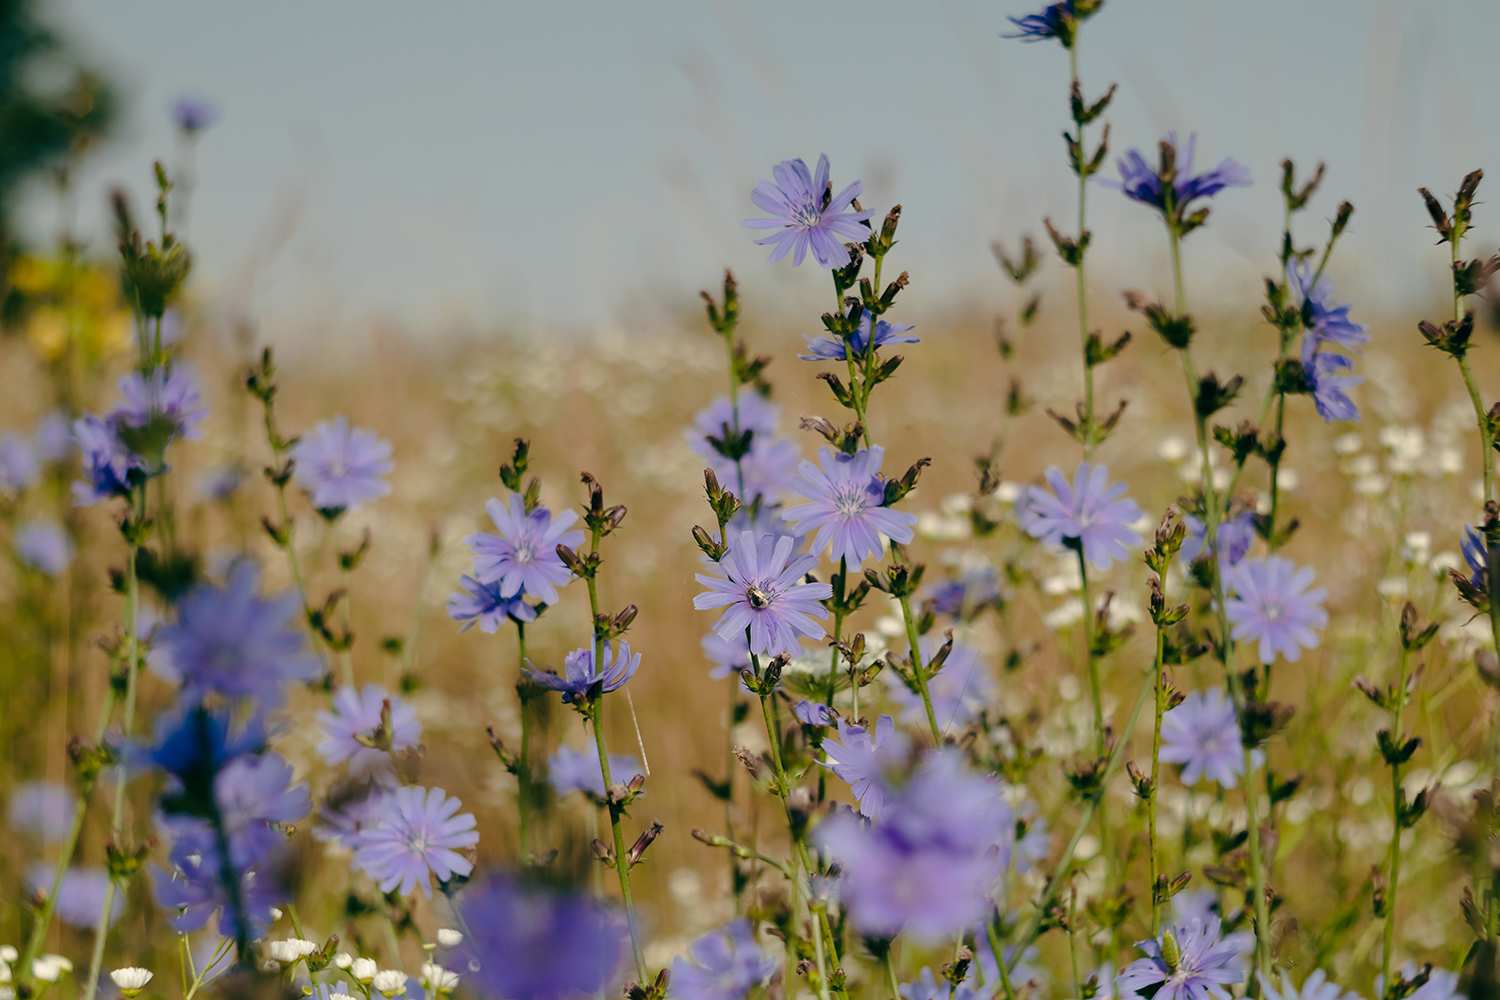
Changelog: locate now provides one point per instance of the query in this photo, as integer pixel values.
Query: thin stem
(1485, 442)
(524, 778)
(1394, 864)
(918, 670)
(1089, 435)
(1161, 706)
(1097, 695)
(622, 862)
(890, 972)
(989, 930)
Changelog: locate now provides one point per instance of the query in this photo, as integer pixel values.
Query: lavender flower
(1272, 605)
(256, 798)
(41, 809)
(726, 964)
(812, 713)
(1315, 987)
(1441, 984)
(1092, 512)
(43, 546)
(1141, 182)
(1057, 20)
(53, 437)
(523, 558)
(358, 713)
(571, 770)
(767, 467)
(342, 467)
(349, 810)
(580, 673)
(193, 741)
(837, 349)
(728, 656)
(926, 987)
(957, 691)
(804, 214)
(159, 407)
(1203, 735)
(1476, 554)
(862, 761)
(763, 594)
(231, 642)
(1234, 538)
(1201, 964)
(193, 891)
(928, 865)
(531, 944)
(847, 507)
(1194, 906)
(965, 595)
(194, 114)
(1328, 323)
(221, 482)
(482, 603)
(1326, 385)
(81, 895)
(110, 469)
(18, 463)
(421, 833)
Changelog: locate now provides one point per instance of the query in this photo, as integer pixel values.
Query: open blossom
(862, 760)
(724, 964)
(1056, 20)
(1321, 369)
(483, 604)
(420, 835)
(766, 469)
(356, 712)
(1316, 986)
(846, 506)
(764, 594)
(1203, 735)
(1272, 605)
(523, 557)
(18, 463)
(1233, 539)
(342, 466)
(1203, 967)
(41, 809)
(80, 898)
(110, 469)
(1141, 182)
(804, 214)
(826, 348)
(580, 673)
(926, 987)
(571, 770)
(965, 595)
(728, 656)
(1093, 511)
(167, 401)
(1328, 322)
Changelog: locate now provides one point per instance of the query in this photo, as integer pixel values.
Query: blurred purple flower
(725, 964)
(1273, 606)
(80, 898)
(580, 672)
(256, 798)
(1203, 735)
(1205, 966)
(862, 761)
(342, 467)
(728, 656)
(1328, 323)
(1194, 906)
(1092, 511)
(847, 506)
(221, 482)
(523, 557)
(1475, 552)
(357, 713)
(571, 770)
(18, 463)
(1327, 386)
(192, 890)
(1234, 538)
(804, 213)
(1141, 182)
(957, 691)
(483, 604)
(764, 595)
(962, 596)
(164, 404)
(108, 466)
(766, 467)
(41, 809)
(1315, 987)
(194, 114)
(193, 740)
(350, 809)
(836, 349)
(420, 834)
(43, 546)
(54, 436)
(926, 987)
(1057, 20)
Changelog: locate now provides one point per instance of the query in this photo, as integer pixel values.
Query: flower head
(42, 810)
(1315, 987)
(110, 469)
(420, 835)
(580, 673)
(812, 713)
(1328, 323)
(725, 964)
(1190, 963)
(957, 691)
(806, 213)
(159, 407)
(1476, 554)
(358, 712)
(862, 760)
(1203, 735)
(728, 656)
(194, 114)
(926, 987)
(1173, 186)
(523, 557)
(193, 890)
(80, 898)
(1327, 387)
(764, 594)
(571, 770)
(1057, 20)
(1272, 605)
(43, 546)
(389, 982)
(131, 980)
(482, 603)
(964, 596)
(1093, 511)
(342, 466)
(763, 471)
(1233, 539)
(847, 506)
(837, 349)
(18, 463)
(1194, 906)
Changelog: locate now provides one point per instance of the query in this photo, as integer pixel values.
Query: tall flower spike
(524, 555)
(1091, 511)
(763, 594)
(846, 506)
(802, 216)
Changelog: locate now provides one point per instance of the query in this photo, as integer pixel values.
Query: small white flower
(1392, 587)
(1348, 444)
(275, 913)
(49, 968)
(1287, 479)
(131, 980)
(441, 979)
(1008, 492)
(4, 972)
(389, 982)
(448, 937)
(339, 996)
(290, 951)
(343, 960)
(1069, 612)
(363, 969)
(1172, 449)
(1443, 562)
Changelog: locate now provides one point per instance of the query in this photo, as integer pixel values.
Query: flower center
(523, 552)
(850, 502)
(1272, 611)
(416, 842)
(807, 215)
(758, 598)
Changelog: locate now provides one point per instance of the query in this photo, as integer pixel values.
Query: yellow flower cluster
(71, 303)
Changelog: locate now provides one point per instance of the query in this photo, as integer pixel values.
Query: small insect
(758, 598)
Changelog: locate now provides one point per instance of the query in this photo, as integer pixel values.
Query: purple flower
(194, 114)
(159, 407)
(110, 469)
(193, 890)
(726, 964)
(1476, 554)
(580, 673)
(256, 798)
(847, 506)
(929, 863)
(964, 596)
(729, 656)
(358, 713)
(53, 437)
(523, 557)
(957, 691)
(1194, 906)
(231, 642)
(1092, 511)
(484, 604)
(1141, 182)
(349, 810)
(1315, 987)
(1234, 538)
(812, 713)
(836, 349)
(1203, 967)
(767, 467)
(862, 762)
(1329, 323)
(926, 987)
(1033, 840)
(1326, 385)
(804, 213)
(1272, 605)
(763, 594)
(571, 770)
(532, 944)
(421, 833)
(1441, 984)
(44, 546)
(18, 463)
(42, 810)
(342, 467)
(221, 482)
(81, 895)
(1057, 20)
(1203, 735)
(193, 741)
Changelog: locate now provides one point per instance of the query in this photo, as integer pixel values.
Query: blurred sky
(560, 165)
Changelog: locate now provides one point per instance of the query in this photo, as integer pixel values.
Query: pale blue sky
(462, 164)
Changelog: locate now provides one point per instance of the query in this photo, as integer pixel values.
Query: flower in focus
(18, 463)
(159, 407)
(531, 944)
(725, 964)
(389, 982)
(1272, 605)
(1173, 189)
(342, 467)
(580, 673)
(862, 761)
(806, 214)
(110, 469)
(1328, 323)
(1440, 985)
(1327, 387)
(523, 557)
(571, 770)
(194, 114)
(1057, 20)
(1203, 735)
(231, 642)
(131, 980)
(837, 349)
(763, 471)
(1315, 987)
(1091, 511)
(764, 594)
(80, 898)
(43, 546)
(1234, 538)
(421, 833)
(357, 712)
(847, 506)
(926, 987)
(42, 810)
(957, 691)
(483, 604)
(1197, 963)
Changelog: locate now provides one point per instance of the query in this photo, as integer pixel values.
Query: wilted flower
(420, 835)
(1273, 606)
(725, 964)
(825, 348)
(342, 467)
(764, 594)
(1092, 511)
(523, 557)
(482, 603)
(580, 673)
(805, 213)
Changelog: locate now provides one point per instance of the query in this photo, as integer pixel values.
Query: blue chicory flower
(1327, 386)
(1205, 966)
(1056, 20)
(827, 348)
(1143, 183)
(1203, 735)
(110, 468)
(1328, 323)
(1272, 605)
(1316, 986)
(724, 964)
(484, 604)
(846, 506)
(80, 898)
(580, 672)
(571, 770)
(194, 114)
(766, 469)
(806, 213)
(419, 836)
(765, 595)
(523, 557)
(41, 809)
(342, 467)
(357, 712)
(18, 463)
(1234, 538)
(43, 546)
(1093, 511)
(161, 405)
(862, 760)
(957, 691)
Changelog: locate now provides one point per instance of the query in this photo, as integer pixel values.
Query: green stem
(890, 971)
(918, 670)
(1161, 707)
(1089, 435)
(1394, 864)
(622, 862)
(989, 930)
(1485, 442)
(524, 798)
(1097, 695)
